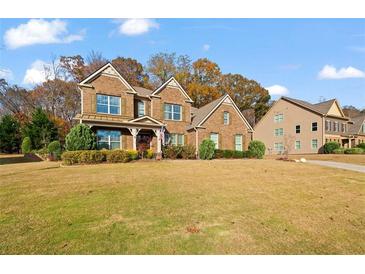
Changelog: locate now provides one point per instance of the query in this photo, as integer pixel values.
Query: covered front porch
(137, 134)
(345, 141)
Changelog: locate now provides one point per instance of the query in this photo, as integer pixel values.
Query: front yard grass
(181, 207)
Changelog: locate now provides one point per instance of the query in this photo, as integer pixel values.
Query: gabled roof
(178, 85)
(304, 104)
(112, 69)
(203, 113)
(143, 91)
(358, 121)
(146, 117)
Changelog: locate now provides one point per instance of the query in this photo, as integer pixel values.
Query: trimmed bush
(80, 138)
(118, 156)
(55, 149)
(188, 152)
(172, 151)
(206, 149)
(71, 157)
(330, 147)
(257, 149)
(133, 154)
(218, 153)
(362, 146)
(228, 154)
(338, 151)
(43, 152)
(354, 150)
(238, 154)
(26, 145)
(91, 157)
(149, 154)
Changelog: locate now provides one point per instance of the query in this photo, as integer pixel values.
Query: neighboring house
(357, 129)
(299, 127)
(125, 116)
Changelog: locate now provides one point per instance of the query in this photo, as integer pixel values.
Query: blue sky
(303, 58)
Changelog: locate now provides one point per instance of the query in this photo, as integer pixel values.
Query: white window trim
(210, 137)
(109, 142)
(144, 108)
(312, 127)
(300, 145)
(312, 144)
(235, 143)
(228, 118)
(120, 105)
(172, 112)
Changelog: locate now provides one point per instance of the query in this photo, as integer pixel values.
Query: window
(343, 128)
(314, 126)
(278, 118)
(297, 129)
(176, 139)
(335, 126)
(279, 146)
(279, 132)
(172, 112)
(363, 128)
(297, 144)
(226, 118)
(140, 108)
(328, 125)
(107, 104)
(238, 142)
(109, 139)
(314, 144)
(214, 137)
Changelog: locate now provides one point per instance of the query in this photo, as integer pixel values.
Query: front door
(144, 141)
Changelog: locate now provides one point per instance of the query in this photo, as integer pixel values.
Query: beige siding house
(299, 127)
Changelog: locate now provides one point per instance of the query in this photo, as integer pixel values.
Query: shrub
(338, 151)
(172, 151)
(246, 154)
(118, 156)
(330, 146)
(133, 154)
(55, 149)
(26, 145)
(218, 153)
(257, 149)
(354, 150)
(188, 152)
(228, 154)
(91, 157)
(43, 152)
(206, 149)
(237, 154)
(80, 138)
(71, 157)
(362, 146)
(105, 153)
(149, 153)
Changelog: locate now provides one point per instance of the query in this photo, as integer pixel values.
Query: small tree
(256, 149)
(80, 137)
(206, 149)
(41, 130)
(330, 147)
(55, 149)
(26, 145)
(9, 134)
(288, 144)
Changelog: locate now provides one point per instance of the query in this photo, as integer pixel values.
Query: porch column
(134, 132)
(159, 139)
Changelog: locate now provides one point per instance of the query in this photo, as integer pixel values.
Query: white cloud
(206, 47)
(330, 72)
(37, 73)
(277, 90)
(6, 74)
(39, 31)
(137, 26)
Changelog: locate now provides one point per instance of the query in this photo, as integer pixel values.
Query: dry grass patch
(181, 207)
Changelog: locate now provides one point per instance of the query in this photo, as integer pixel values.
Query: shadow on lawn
(6, 159)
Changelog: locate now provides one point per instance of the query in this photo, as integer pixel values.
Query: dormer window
(107, 104)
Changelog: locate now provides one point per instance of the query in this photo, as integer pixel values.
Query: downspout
(323, 132)
(196, 142)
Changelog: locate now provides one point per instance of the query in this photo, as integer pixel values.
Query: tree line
(59, 98)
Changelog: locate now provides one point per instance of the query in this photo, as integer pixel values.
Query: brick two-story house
(300, 127)
(123, 116)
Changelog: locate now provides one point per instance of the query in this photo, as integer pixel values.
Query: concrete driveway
(352, 167)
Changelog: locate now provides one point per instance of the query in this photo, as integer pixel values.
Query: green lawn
(181, 207)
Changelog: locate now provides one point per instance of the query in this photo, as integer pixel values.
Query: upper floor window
(107, 104)
(140, 108)
(297, 129)
(363, 128)
(343, 129)
(172, 112)
(328, 125)
(335, 126)
(278, 118)
(314, 126)
(279, 132)
(226, 118)
(214, 137)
